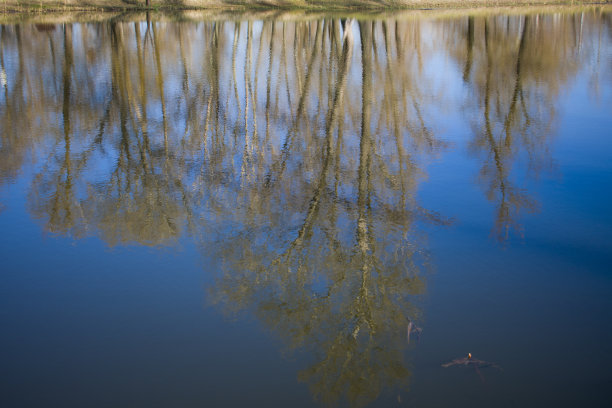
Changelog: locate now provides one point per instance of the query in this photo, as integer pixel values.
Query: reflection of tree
(494, 173)
(143, 199)
(293, 149)
(56, 190)
(341, 286)
(515, 67)
(511, 65)
(24, 96)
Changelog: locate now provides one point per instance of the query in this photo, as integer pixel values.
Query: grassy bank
(37, 6)
(83, 15)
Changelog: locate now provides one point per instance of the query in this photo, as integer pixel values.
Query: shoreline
(85, 15)
(12, 7)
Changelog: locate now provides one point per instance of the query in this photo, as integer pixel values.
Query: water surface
(305, 212)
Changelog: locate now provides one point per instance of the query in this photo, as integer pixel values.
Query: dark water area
(319, 212)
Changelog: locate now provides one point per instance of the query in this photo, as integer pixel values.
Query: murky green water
(306, 212)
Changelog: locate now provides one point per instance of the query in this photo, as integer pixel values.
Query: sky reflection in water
(311, 176)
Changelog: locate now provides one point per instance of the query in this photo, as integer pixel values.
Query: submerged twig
(412, 328)
(471, 362)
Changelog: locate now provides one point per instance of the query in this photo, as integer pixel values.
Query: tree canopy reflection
(515, 68)
(291, 150)
(336, 274)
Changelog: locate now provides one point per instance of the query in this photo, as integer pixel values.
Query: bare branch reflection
(291, 150)
(515, 67)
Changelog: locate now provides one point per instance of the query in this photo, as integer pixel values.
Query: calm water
(294, 213)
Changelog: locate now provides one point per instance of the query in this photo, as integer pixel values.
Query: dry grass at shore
(82, 16)
(37, 6)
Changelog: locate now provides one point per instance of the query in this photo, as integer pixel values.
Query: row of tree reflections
(291, 150)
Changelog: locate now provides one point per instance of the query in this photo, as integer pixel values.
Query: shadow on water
(291, 150)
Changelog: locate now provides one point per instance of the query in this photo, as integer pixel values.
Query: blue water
(256, 212)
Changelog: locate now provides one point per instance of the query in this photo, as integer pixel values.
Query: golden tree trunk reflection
(292, 152)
